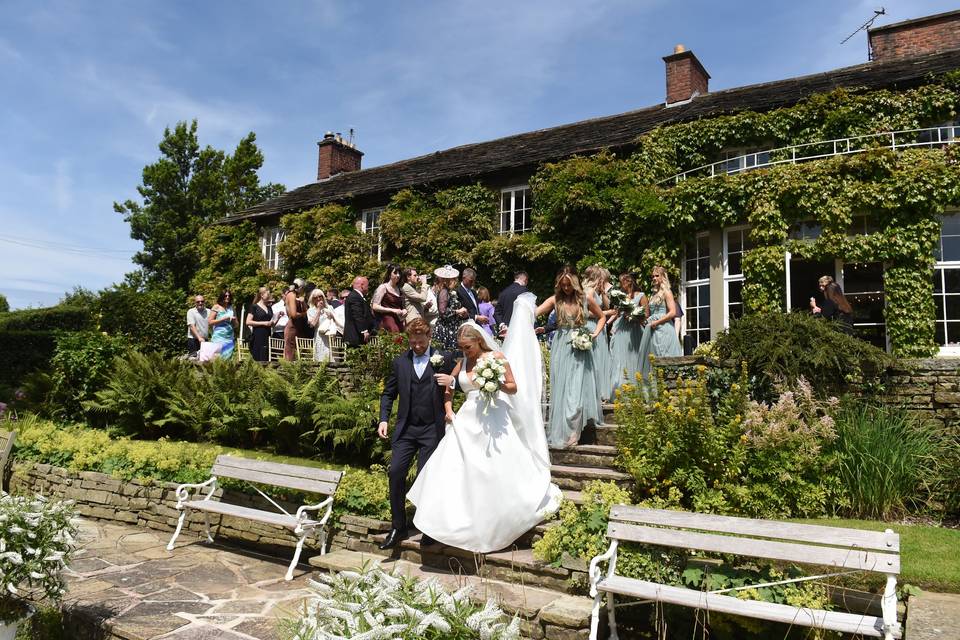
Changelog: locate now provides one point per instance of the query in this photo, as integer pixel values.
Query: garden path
(126, 583)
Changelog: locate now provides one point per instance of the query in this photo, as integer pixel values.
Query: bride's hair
(469, 332)
(575, 298)
(664, 287)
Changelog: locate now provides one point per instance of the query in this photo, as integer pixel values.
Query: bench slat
(805, 554)
(246, 513)
(280, 468)
(834, 536)
(834, 620)
(262, 477)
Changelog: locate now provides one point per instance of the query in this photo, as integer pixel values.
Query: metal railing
(933, 137)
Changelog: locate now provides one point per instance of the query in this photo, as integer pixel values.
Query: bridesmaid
(574, 397)
(261, 321)
(659, 336)
(222, 323)
(387, 302)
(625, 338)
(594, 289)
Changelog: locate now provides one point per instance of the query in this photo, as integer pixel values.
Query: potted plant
(37, 539)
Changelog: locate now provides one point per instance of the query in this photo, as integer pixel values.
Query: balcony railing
(932, 138)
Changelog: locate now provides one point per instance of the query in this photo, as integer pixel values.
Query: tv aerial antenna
(866, 25)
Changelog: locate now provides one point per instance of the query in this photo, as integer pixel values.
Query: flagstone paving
(126, 582)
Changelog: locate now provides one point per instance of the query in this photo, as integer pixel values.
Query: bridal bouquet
(489, 374)
(581, 340)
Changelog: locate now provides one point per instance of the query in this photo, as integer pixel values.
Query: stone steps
(585, 455)
(606, 435)
(575, 477)
(545, 613)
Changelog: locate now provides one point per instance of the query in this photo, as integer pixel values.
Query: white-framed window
(737, 160)
(370, 224)
(696, 290)
(807, 230)
(736, 242)
(862, 225)
(516, 210)
(270, 238)
(946, 286)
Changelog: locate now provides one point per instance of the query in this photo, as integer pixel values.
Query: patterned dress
(448, 322)
(222, 334)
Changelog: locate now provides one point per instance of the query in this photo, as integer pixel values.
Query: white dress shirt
(420, 362)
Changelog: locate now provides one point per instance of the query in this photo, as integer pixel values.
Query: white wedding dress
(488, 482)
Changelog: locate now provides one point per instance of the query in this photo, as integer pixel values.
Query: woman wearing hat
(452, 314)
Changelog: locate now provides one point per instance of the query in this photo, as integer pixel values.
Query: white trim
(727, 278)
(528, 202)
(270, 239)
(695, 282)
(365, 227)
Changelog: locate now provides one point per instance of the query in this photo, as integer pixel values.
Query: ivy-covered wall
(625, 212)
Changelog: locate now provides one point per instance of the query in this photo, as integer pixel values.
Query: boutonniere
(436, 359)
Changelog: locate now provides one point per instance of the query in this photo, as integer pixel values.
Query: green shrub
(788, 346)
(364, 493)
(155, 319)
(58, 318)
(888, 460)
(24, 352)
(78, 369)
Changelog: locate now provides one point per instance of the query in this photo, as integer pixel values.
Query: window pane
(735, 264)
(953, 307)
(953, 332)
(735, 292)
(938, 281)
(703, 245)
(691, 297)
(862, 277)
(951, 225)
(505, 222)
(703, 268)
(703, 317)
(951, 248)
(505, 201)
(736, 311)
(938, 301)
(734, 241)
(941, 337)
(951, 278)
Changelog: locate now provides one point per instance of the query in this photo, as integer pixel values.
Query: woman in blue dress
(574, 396)
(594, 283)
(223, 322)
(625, 337)
(659, 335)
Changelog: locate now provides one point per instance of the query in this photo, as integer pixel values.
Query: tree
(4, 305)
(184, 191)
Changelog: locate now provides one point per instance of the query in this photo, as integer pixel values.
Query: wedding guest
(835, 305)
(197, 329)
(296, 310)
(433, 310)
(416, 295)
(261, 321)
(486, 309)
(339, 319)
(468, 297)
(332, 300)
(387, 301)
(508, 296)
(223, 324)
(320, 318)
(625, 337)
(574, 396)
(450, 307)
(279, 309)
(593, 289)
(359, 325)
(659, 335)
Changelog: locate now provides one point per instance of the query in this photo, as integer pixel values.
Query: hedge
(47, 319)
(25, 352)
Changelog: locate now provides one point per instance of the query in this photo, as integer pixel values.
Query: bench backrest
(6, 448)
(290, 476)
(770, 539)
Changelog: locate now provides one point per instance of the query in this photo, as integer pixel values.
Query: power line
(59, 248)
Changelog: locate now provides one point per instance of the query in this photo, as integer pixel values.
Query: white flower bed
(374, 604)
(36, 542)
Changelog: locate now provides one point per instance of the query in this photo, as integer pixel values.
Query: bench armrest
(302, 512)
(609, 556)
(183, 490)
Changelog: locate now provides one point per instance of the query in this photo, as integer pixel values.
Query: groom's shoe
(393, 539)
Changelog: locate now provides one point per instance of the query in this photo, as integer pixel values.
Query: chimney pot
(686, 77)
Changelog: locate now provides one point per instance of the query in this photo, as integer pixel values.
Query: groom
(419, 377)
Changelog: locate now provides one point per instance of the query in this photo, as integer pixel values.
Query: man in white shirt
(280, 312)
(197, 327)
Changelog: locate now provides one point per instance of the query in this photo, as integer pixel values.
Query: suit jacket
(357, 318)
(464, 294)
(398, 385)
(505, 302)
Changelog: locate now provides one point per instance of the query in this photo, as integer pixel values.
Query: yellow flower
(701, 368)
(638, 377)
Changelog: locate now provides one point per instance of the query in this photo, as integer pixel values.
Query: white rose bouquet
(489, 375)
(436, 360)
(619, 299)
(581, 340)
(638, 314)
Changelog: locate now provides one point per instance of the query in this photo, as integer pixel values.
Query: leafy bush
(737, 456)
(377, 604)
(787, 346)
(364, 493)
(24, 352)
(79, 367)
(153, 319)
(58, 318)
(38, 541)
(4, 305)
(887, 460)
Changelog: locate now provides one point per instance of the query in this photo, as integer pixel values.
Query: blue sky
(88, 87)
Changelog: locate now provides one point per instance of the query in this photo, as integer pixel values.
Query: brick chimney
(336, 156)
(930, 34)
(686, 77)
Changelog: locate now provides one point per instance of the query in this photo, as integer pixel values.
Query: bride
(488, 482)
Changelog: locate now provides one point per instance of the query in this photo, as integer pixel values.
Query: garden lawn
(929, 556)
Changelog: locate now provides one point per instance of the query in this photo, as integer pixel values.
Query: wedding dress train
(488, 482)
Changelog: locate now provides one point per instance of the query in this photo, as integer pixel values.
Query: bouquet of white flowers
(637, 314)
(581, 340)
(436, 360)
(489, 375)
(619, 300)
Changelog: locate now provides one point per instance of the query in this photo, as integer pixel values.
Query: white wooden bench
(309, 479)
(845, 550)
(7, 438)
